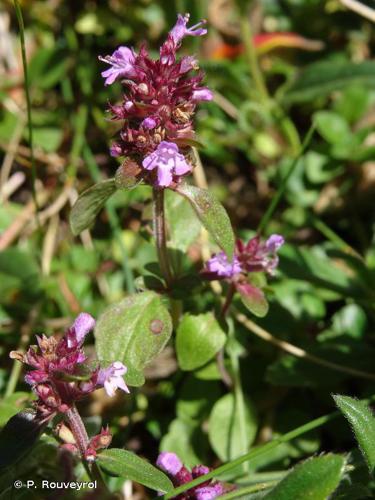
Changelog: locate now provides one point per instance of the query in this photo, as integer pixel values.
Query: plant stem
(160, 234)
(28, 99)
(261, 450)
(82, 440)
(247, 39)
(297, 351)
(276, 199)
(78, 430)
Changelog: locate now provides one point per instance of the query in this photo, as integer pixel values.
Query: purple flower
(209, 492)
(180, 30)
(188, 63)
(56, 366)
(115, 150)
(274, 242)
(112, 378)
(168, 162)
(159, 101)
(257, 256)
(202, 94)
(149, 123)
(169, 463)
(179, 474)
(83, 324)
(220, 267)
(122, 65)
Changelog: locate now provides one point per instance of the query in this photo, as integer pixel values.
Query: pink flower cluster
(59, 375)
(158, 106)
(179, 474)
(255, 256)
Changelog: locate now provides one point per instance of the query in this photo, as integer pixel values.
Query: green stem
(333, 237)
(28, 99)
(160, 235)
(256, 452)
(81, 438)
(247, 39)
(276, 199)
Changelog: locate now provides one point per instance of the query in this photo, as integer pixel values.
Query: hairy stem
(160, 234)
(82, 440)
(78, 430)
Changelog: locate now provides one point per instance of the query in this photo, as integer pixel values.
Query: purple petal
(209, 492)
(150, 161)
(203, 94)
(274, 242)
(220, 265)
(149, 123)
(122, 65)
(200, 470)
(83, 324)
(169, 463)
(164, 175)
(181, 165)
(111, 378)
(188, 63)
(180, 30)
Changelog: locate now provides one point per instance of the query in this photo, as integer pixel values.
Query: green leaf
(183, 225)
(322, 78)
(314, 479)
(224, 428)
(332, 127)
(350, 320)
(212, 215)
(186, 439)
(362, 421)
(88, 205)
(133, 331)
(11, 405)
(253, 298)
(18, 436)
(125, 464)
(198, 339)
(47, 138)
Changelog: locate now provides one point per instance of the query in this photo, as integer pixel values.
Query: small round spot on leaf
(156, 326)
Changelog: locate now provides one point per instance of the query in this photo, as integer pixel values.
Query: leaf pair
(208, 209)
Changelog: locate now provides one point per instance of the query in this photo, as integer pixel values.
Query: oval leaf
(314, 479)
(212, 215)
(18, 436)
(253, 298)
(225, 432)
(362, 421)
(123, 463)
(88, 205)
(198, 339)
(133, 331)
